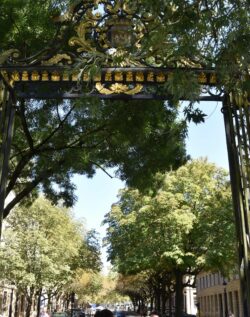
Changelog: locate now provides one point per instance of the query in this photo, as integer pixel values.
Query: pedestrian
(44, 313)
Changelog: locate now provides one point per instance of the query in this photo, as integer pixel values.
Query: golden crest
(117, 28)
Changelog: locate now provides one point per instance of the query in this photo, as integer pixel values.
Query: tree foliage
(171, 230)
(87, 285)
(40, 245)
(136, 138)
(28, 26)
(89, 254)
(206, 33)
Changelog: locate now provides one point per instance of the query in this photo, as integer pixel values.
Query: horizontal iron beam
(149, 75)
(11, 68)
(71, 95)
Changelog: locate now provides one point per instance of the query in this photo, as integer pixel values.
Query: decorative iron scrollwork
(9, 54)
(58, 59)
(112, 28)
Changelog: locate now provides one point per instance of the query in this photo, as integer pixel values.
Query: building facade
(7, 300)
(218, 296)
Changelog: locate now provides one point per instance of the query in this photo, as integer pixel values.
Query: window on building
(216, 303)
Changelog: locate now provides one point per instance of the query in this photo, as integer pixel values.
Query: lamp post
(225, 298)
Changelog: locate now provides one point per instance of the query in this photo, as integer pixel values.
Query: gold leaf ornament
(80, 40)
(118, 88)
(57, 59)
(7, 54)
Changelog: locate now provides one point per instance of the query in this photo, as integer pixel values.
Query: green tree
(52, 141)
(137, 138)
(89, 254)
(202, 34)
(40, 243)
(139, 288)
(171, 230)
(110, 295)
(87, 284)
(28, 26)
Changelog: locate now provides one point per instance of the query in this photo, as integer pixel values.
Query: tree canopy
(170, 231)
(41, 245)
(52, 141)
(138, 138)
(206, 33)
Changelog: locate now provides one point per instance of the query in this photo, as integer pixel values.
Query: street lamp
(225, 298)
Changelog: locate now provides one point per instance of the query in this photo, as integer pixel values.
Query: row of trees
(183, 226)
(42, 253)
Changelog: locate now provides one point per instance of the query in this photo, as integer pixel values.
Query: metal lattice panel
(236, 112)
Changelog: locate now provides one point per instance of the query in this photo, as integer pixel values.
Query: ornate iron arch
(110, 35)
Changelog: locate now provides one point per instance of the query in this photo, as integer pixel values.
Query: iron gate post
(7, 113)
(237, 128)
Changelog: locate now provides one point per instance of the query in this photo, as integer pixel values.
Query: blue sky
(96, 195)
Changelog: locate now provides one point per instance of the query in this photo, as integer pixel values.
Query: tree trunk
(29, 302)
(170, 305)
(163, 300)
(16, 314)
(49, 307)
(151, 303)
(38, 302)
(157, 300)
(178, 293)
